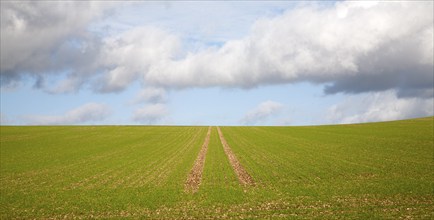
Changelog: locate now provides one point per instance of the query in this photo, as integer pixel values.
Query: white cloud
(39, 38)
(152, 95)
(373, 47)
(200, 22)
(90, 112)
(379, 106)
(351, 47)
(68, 85)
(262, 112)
(151, 113)
(132, 53)
(4, 120)
(284, 121)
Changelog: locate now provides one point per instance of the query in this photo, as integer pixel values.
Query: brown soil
(242, 174)
(195, 176)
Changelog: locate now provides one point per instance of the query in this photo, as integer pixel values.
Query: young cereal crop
(83, 172)
(375, 170)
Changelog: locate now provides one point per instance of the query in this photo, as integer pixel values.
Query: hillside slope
(374, 170)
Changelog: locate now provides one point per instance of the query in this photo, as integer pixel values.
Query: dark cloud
(395, 65)
(408, 82)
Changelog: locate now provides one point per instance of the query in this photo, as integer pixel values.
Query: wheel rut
(243, 176)
(195, 176)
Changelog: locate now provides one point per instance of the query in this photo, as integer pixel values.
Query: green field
(375, 170)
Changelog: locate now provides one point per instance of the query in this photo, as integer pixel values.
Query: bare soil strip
(242, 174)
(195, 176)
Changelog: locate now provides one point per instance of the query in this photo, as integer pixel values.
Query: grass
(376, 170)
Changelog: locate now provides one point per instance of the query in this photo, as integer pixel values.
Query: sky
(215, 62)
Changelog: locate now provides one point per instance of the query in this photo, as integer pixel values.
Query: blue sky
(215, 63)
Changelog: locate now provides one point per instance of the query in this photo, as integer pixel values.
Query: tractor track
(195, 176)
(243, 176)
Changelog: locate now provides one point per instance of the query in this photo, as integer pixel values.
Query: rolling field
(376, 170)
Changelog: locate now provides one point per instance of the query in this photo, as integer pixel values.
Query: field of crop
(376, 170)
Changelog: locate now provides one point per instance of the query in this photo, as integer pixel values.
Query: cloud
(41, 39)
(151, 95)
(350, 47)
(285, 121)
(90, 112)
(4, 120)
(379, 106)
(150, 114)
(262, 112)
(129, 55)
